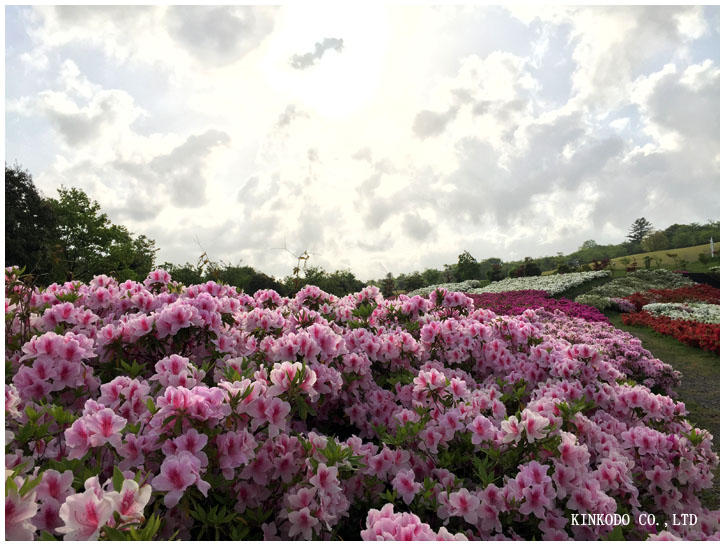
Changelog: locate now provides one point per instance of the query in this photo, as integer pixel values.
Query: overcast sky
(387, 139)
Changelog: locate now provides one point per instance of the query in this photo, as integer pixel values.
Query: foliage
(29, 224)
(68, 238)
(640, 228)
(467, 267)
(655, 241)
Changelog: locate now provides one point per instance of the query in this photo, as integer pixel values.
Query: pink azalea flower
(406, 486)
(18, 513)
(326, 479)
(131, 500)
(482, 429)
(55, 485)
(235, 449)
(462, 503)
(105, 426)
(534, 425)
(84, 514)
(77, 438)
(302, 523)
(177, 473)
(511, 429)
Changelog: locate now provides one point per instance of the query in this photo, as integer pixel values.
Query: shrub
(201, 412)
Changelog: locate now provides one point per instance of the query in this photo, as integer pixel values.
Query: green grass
(700, 388)
(690, 254)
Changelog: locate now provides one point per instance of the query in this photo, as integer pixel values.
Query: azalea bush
(697, 312)
(640, 281)
(515, 303)
(154, 410)
(698, 334)
(551, 284)
(693, 293)
(464, 286)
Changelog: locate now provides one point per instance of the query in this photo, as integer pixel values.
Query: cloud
(415, 227)
(218, 35)
(428, 123)
(308, 59)
(291, 112)
(181, 170)
(80, 111)
(553, 128)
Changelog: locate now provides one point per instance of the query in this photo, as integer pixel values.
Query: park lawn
(700, 387)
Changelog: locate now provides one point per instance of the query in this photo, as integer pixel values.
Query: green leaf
(117, 479)
(29, 485)
(45, 535)
(616, 534)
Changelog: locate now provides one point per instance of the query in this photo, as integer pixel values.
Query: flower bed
(150, 410)
(464, 286)
(551, 284)
(698, 312)
(697, 334)
(610, 295)
(695, 293)
(515, 303)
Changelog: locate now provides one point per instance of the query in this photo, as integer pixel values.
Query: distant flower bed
(515, 303)
(642, 280)
(698, 312)
(551, 284)
(695, 293)
(696, 334)
(464, 286)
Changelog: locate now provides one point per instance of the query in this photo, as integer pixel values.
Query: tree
(388, 286)
(639, 230)
(431, 277)
(655, 241)
(28, 224)
(589, 243)
(467, 267)
(89, 244)
(496, 272)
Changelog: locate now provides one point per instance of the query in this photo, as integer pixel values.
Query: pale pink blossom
(406, 486)
(176, 474)
(131, 500)
(19, 511)
(84, 514)
(302, 522)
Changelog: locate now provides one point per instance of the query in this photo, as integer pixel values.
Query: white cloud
(395, 150)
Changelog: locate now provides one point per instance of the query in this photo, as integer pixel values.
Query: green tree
(28, 224)
(388, 286)
(639, 230)
(431, 277)
(589, 243)
(467, 267)
(496, 272)
(655, 241)
(89, 244)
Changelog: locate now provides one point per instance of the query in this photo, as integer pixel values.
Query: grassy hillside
(689, 254)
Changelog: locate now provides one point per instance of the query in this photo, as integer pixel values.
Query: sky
(378, 138)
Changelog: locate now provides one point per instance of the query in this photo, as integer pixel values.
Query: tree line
(70, 238)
